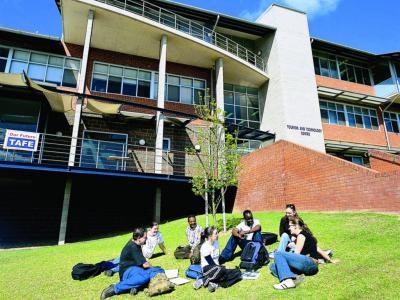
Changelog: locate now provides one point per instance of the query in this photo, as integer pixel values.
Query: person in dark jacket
(134, 270)
(286, 238)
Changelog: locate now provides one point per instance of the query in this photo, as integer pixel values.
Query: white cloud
(313, 8)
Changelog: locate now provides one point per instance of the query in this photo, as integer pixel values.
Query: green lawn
(366, 244)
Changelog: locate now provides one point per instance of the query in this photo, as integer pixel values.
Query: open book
(172, 275)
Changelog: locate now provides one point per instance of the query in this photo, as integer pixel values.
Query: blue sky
(368, 25)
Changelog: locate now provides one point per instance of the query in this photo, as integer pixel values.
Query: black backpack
(230, 277)
(182, 252)
(85, 271)
(254, 256)
(269, 238)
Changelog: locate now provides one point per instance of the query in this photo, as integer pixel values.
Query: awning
(350, 96)
(103, 108)
(337, 146)
(250, 133)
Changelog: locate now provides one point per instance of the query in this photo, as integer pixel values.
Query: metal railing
(185, 25)
(54, 150)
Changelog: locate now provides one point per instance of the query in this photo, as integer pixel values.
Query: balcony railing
(54, 150)
(182, 24)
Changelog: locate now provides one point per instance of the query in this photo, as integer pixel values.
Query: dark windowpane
(359, 121)
(241, 113)
(129, 87)
(114, 85)
(241, 99)
(254, 125)
(366, 77)
(343, 71)
(229, 111)
(199, 96)
(333, 68)
(324, 116)
(374, 122)
(341, 118)
(367, 122)
(173, 93)
(144, 89)
(70, 78)
(350, 73)
(99, 83)
(324, 67)
(3, 63)
(316, 66)
(388, 124)
(395, 126)
(351, 119)
(3, 52)
(254, 114)
(359, 76)
(228, 97)
(253, 101)
(332, 117)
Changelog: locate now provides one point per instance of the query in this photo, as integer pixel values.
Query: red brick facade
(344, 85)
(289, 173)
(383, 162)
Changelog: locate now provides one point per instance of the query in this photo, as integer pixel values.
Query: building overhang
(356, 98)
(122, 31)
(247, 133)
(349, 148)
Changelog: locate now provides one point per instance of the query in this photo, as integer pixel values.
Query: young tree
(218, 160)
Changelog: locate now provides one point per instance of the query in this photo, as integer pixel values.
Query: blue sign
(21, 140)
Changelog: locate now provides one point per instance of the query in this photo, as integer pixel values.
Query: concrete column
(157, 206)
(219, 84)
(65, 209)
(160, 104)
(81, 89)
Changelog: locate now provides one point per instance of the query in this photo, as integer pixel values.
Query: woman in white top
(215, 275)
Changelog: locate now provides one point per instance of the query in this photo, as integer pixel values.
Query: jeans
(116, 263)
(234, 241)
(135, 277)
(289, 265)
(285, 240)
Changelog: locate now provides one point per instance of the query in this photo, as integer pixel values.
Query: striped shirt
(194, 235)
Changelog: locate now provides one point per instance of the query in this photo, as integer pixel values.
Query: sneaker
(284, 285)
(329, 252)
(109, 273)
(271, 255)
(299, 279)
(133, 291)
(198, 284)
(212, 287)
(107, 292)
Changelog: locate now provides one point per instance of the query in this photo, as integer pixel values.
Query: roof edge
(28, 33)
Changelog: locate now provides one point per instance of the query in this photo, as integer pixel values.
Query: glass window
(39, 58)
(391, 122)
(3, 63)
(130, 73)
(99, 83)
(4, 52)
(21, 55)
(252, 101)
(229, 111)
(144, 89)
(144, 75)
(70, 78)
(99, 68)
(324, 116)
(37, 72)
(186, 95)
(173, 80)
(114, 84)
(166, 144)
(72, 63)
(199, 96)
(228, 97)
(187, 82)
(129, 87)
(18, 67)
(56, 61)
(241, 99)
(173, 93)
(115, 71)
(54, 75)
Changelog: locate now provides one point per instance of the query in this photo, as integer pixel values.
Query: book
(173, 276)
(250, 275)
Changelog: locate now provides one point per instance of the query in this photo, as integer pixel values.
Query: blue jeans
(285, 240)
(289, 265)
(135, 277)
(234, 241)
(116, 263)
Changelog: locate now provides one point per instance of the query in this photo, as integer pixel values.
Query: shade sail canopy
(331, 93)
(59, 102)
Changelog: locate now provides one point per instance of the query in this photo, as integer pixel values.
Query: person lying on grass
(134, 270)
(290, 267)
(214, 275)
(154, 238)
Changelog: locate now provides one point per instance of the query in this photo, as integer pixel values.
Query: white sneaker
(284, 285)
(198, 284)
(299, 279)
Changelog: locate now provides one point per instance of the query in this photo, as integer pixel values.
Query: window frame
(397, 115)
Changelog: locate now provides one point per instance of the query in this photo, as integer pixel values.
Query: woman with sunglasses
(289, 267)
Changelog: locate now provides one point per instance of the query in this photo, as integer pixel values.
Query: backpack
(230, 277)
(194, 272)
(196, 257)
(254, 256)
(85, 271)
(269, 238)
(182, 252)
(158, 285)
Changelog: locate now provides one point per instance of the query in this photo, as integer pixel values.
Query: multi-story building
(117, 110)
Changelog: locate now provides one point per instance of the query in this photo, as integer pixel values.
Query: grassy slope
(366, 244)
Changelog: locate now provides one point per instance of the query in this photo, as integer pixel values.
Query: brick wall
(344, 85)
(289, 173)
(384, 162)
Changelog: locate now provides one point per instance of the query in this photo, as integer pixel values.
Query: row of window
(340, 68)
(241, 106)
(58, 70)
(392, 121)
(137, 82)
(348, 115)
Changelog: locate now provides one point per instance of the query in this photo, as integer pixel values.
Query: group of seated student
(296, 256)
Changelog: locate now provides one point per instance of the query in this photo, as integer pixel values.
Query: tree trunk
(206, 207)
(223, 208)
(214, 209)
